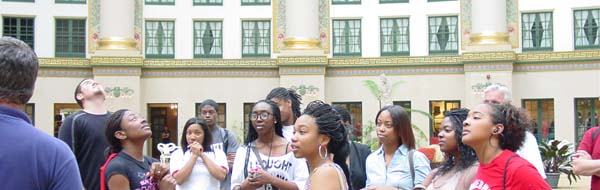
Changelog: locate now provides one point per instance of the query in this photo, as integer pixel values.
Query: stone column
(489, 22)
(302, 25)
(117, 25)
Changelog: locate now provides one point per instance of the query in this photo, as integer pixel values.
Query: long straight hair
(206, 142)
(401, 124)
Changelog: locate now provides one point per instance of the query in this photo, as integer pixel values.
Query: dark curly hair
(330, 123)
(515, 121)
(287, 94)
(252, 134)
(113, 125)
(467, 154)
(206, 142)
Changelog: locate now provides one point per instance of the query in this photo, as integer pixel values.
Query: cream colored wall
(563, 87)
(419, 89)
(189, 91)
(47, 92)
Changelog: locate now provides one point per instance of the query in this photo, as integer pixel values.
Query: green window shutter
(343, 2)
(19, 28)
(347, 37)
(443, 34)
(256, 38)
(160, 39)
(160, 2)
(586, 114)
(394, 38)
(537, 31)
(208, 39)
(586, 28)
(208, 2)
(392, 1)
(70, 38)
(256, 2)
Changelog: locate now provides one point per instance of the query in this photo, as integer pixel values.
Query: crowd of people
(284, 148)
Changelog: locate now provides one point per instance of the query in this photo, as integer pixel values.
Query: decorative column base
(116, 43)
(301, 44)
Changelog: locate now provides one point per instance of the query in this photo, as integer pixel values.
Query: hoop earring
(320, 155)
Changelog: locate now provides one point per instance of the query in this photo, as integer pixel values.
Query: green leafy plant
(556, 156)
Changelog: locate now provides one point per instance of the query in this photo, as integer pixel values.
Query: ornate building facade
(163, 57)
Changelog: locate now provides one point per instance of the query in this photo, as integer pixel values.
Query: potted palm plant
(556, 156)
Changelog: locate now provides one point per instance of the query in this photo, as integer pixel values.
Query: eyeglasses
(263, 116)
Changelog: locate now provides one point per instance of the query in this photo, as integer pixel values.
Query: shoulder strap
(286, 147)
(73, 131)
(411, 162)
(246, 162)
(103, 171)
(258, 157)
(504, 174)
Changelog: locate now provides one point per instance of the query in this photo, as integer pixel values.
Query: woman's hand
(196, 148)
(261, 177)
(158, 170)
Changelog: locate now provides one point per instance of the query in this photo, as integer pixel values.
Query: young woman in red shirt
(495, 132)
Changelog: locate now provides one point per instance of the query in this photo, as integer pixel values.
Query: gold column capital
(299, 43)
(116, 43)
(494, 38)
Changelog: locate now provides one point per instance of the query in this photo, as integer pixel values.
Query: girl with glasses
(265, 161)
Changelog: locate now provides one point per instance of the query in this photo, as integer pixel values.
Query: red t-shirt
(520, 174)
(592, 148)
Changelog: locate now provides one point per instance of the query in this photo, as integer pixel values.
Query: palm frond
(374, 88)
(421, 137)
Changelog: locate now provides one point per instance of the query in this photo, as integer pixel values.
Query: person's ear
(498, 129)
(121, 135)
(79, 96)
(324, 139)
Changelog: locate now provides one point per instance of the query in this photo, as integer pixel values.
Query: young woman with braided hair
(318, 134)
(495, 132)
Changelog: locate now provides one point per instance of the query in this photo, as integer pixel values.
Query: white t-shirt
(200, 178)
(286, 167)
(288, 132)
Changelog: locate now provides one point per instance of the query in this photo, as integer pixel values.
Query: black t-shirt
(134, 170)
(89, 144)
